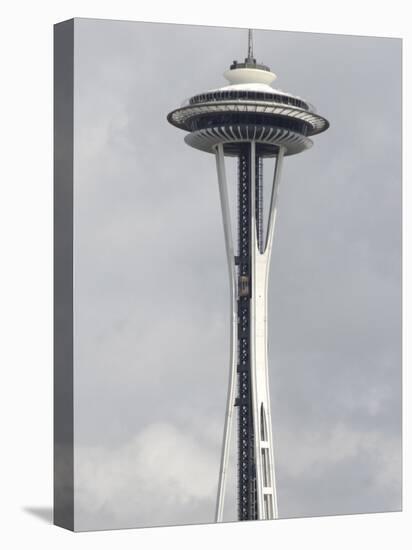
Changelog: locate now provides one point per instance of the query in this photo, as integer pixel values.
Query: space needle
(250, 120)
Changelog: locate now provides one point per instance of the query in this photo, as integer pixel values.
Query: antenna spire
(250, 61)
(250, 44)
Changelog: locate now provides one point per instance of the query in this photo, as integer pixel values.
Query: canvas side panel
(63, 274)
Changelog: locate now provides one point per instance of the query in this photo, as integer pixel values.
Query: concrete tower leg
(230, 254)
(262, 422)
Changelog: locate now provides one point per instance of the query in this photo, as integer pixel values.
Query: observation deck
(249, 108)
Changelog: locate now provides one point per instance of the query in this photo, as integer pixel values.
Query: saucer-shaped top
(248, 108)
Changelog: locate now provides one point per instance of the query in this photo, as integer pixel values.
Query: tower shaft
(247, 498)
(256, 486)
(248, 377)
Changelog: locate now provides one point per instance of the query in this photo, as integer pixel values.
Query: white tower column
(264, 453)
(230, 255)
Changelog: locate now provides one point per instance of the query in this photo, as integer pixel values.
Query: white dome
(256, 87)
(250, 87)
(249, 76)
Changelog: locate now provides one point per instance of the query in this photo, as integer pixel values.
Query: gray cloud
(144, 483)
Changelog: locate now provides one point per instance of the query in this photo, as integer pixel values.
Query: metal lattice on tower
(252, 121)
(247, 506)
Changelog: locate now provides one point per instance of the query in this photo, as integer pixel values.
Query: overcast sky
(151, 288)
